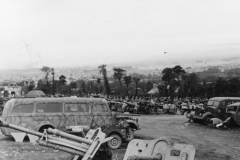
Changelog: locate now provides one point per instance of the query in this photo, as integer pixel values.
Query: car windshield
(216, 103)
(210, 103)
(232, 108)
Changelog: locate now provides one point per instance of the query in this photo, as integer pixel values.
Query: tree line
(172, 82)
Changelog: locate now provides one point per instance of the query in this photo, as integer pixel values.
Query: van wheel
(130, 135)
(116, 142)
(44, 127)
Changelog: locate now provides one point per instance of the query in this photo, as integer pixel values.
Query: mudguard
(133, 124)
(44, 123)
(158, 148)
(204, 116)
(207, 114)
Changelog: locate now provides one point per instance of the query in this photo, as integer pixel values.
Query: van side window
(49, 108)
(99, 108)
(83, 108)
(24, 108)
(75, 107)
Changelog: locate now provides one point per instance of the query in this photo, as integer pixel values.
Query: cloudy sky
(92, 32)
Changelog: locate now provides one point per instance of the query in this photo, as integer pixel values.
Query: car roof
(235, 104)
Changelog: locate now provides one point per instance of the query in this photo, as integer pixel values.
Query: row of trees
(50, 85)
(173, 82)
(178, 83)
(119, 75)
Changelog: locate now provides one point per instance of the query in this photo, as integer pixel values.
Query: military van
(42, 113)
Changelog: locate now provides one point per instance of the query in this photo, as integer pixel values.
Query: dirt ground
(211, 144)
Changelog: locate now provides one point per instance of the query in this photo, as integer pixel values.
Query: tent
(35, 93)
(154, 89)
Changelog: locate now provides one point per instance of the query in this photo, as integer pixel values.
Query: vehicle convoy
(216, 108)
(42, 113)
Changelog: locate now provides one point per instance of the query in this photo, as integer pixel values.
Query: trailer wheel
(116, 142)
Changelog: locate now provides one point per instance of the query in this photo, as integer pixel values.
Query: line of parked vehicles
(144, 106)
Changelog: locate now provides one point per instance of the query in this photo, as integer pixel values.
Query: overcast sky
(85, 32)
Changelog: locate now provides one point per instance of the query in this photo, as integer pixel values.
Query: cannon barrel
(22, 129)
(62, 148)
(69, 142)
(67, 145)
(66, 135)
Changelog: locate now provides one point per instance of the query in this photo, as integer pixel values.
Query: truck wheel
(116, 142)
(130, 135)
(207, 120)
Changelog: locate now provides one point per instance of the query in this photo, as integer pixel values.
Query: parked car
(216, 108)
(233, 111)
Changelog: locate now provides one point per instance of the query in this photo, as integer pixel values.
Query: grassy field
(211, 144)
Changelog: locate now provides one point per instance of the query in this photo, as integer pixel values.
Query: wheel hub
(114, 142)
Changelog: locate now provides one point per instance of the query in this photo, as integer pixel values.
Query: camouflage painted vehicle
(42, 113)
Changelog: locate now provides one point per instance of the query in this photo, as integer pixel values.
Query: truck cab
(233, 111)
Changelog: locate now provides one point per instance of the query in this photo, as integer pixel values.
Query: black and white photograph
(119, 80)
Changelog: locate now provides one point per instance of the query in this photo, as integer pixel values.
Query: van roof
(224, 98)
(59, 100)
(16, 101)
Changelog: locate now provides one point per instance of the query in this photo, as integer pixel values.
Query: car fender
(207, 114)
(132, 124)
(116, 131)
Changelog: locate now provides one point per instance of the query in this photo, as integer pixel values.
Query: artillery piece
(88, 148)
(84, 148)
